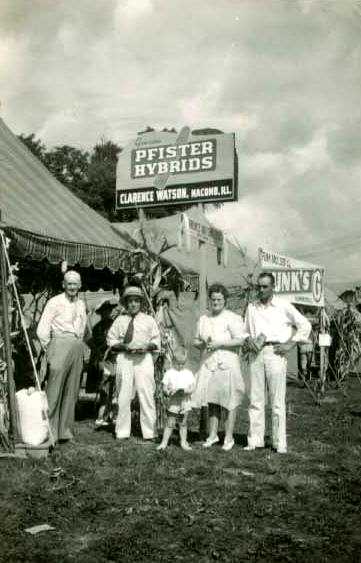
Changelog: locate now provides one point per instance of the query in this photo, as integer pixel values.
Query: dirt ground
(128, 502)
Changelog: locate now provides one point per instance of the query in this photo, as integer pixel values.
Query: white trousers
(271, 368)
(136, 375)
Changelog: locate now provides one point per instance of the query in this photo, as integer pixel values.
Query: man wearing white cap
(135, 335)
(60, 331)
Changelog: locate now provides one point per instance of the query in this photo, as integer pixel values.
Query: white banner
(297, 281)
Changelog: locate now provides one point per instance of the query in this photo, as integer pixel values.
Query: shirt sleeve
(115, 334)
(202, 330)
(44, 327)
(302, 325)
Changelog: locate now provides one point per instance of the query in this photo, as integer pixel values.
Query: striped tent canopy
(46, 220)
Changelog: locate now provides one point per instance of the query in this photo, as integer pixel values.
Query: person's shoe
(161, 447)
(100, 423)
(210, 442)
(250, 448)
(121, 438)
(185, 446)
(281, 450)
(228, 445)
(67, 438)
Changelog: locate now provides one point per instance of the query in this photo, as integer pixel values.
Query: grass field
(128, 502)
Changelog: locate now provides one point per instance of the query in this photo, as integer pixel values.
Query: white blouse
(226, 326)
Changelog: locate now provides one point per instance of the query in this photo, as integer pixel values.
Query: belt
(271, 343)
(64, 335)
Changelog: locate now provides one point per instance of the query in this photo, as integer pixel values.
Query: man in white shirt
(135, 336)
(60, 331)
(274, 326)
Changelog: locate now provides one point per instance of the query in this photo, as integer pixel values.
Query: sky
(284, 75)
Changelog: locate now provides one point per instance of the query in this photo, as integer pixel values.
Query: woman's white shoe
(228, 445)
(210, 441)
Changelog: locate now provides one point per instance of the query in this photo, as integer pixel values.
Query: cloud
(285, 76)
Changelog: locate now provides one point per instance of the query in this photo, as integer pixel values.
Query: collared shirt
(60, 315)
(276, 321)
(145, 330)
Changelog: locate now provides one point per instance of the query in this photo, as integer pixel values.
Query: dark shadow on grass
(85, 409)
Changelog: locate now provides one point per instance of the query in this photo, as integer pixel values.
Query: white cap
(72, 276)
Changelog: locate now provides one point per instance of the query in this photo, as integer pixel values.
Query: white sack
(32, 406)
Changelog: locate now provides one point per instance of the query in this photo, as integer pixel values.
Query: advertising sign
(206, 233)
(169, 168)
(297, 281)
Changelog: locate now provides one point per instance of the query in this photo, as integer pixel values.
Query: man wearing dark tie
(135, 336)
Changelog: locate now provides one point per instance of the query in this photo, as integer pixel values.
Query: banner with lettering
(169, 168)
(297, 281)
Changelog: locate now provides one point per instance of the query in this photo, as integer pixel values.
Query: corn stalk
(348, 327)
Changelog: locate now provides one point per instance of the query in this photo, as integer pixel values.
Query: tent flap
(47, 219)
(25, 243)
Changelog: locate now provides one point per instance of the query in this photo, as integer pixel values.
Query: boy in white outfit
(178, 384)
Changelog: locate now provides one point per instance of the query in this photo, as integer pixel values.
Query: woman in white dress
(220, 383)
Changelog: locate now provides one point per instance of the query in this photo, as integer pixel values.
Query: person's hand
(200, 343)
(213, 345)
(137, 346)
(283, 349)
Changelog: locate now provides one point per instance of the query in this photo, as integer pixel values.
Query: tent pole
(203, 418)
(203, 269)
(8, 346)
(323, 359)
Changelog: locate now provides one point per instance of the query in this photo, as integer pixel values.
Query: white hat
(133, 291)
(72, 276)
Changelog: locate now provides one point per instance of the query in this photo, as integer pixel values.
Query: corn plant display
(347, 325)
(159, 277)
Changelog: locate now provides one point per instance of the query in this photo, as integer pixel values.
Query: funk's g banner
(168, 168)
(297, 281)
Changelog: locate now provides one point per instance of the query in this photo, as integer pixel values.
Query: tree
(68, 164)
(36, 146)
(102, 175)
